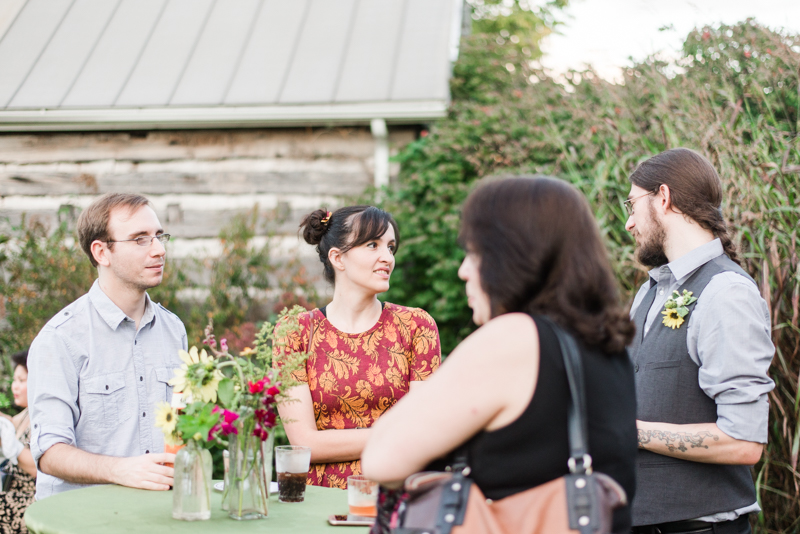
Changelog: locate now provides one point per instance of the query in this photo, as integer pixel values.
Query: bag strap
(580, 461)
(582, 504)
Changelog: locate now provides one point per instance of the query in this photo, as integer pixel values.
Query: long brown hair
(695, 189)
(541, 253)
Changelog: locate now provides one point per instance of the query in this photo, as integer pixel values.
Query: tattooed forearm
(676, 441)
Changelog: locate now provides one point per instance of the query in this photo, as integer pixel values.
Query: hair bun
(315, 225)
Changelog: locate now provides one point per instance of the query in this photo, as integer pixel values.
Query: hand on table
(145, 472)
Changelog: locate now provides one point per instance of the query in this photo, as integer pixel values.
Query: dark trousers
(740, 525)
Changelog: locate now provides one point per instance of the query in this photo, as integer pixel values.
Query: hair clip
(326, 219)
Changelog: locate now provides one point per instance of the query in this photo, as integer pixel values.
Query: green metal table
(111, 509)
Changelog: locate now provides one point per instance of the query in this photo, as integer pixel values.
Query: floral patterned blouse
(355, 378)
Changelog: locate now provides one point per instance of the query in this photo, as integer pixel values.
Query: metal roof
(105, 64)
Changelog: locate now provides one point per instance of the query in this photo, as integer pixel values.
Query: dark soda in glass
(291, 487)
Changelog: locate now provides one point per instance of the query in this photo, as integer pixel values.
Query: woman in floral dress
(365, 354)
(15, 442)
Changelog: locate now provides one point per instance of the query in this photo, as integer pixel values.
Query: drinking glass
(292, 463)
(362, 496)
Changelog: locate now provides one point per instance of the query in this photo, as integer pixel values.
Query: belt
(684, 527)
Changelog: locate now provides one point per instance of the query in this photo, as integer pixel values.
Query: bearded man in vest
(701, 354)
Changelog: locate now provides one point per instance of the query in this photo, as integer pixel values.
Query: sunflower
(671, 318)
(166, 417)
(198, 375)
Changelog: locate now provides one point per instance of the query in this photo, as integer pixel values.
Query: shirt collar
(110, 312)
(688, 263)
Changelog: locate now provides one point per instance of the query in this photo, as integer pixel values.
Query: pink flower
(229, 416)
(273, 391)
(223, 343)
(226, 426)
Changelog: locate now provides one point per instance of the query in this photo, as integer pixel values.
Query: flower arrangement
(235, 397)
(676, 310)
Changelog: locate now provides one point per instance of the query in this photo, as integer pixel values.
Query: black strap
(582, 504)
(576, 418)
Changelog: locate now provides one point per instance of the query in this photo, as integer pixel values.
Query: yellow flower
(172, 439)
(197, 376)
(179, 379)
(671, 318)
(208, 391)
(166, 417)
(247, 351)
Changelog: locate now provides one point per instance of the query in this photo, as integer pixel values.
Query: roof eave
(172, 118)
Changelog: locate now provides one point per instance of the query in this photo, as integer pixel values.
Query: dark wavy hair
(541, 253)
(20, 358)
(347, 227)
(695, 189)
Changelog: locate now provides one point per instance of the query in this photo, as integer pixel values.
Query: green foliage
(196, 422)
(506, 35)
(733, 96)
(237, 273)
(42, 270)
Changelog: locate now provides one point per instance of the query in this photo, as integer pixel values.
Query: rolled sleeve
(52, 393)
(729, 336)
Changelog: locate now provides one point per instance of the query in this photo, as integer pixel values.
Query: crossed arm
(703, 442)
(326, 445)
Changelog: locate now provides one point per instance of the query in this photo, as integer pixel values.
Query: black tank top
(534, 449)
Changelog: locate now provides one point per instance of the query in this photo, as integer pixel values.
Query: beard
(650, 252)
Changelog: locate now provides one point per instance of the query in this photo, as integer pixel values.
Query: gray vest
(667, 390)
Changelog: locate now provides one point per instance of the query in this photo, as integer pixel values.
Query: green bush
(733, 96)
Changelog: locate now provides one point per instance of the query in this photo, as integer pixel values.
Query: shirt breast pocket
(106, 399)
(163, 389)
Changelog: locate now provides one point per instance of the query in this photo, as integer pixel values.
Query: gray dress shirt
(729, 338)
(94, 380)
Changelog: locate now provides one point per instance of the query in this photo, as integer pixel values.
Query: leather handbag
(581, 501)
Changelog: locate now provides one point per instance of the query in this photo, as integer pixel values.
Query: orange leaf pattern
(355, 378)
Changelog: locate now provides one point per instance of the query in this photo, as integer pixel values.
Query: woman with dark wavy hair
(365, 354)
(533, 250)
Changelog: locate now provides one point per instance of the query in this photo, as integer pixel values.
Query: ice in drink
(292, 463)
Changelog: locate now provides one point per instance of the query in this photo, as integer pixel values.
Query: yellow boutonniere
(675, 309)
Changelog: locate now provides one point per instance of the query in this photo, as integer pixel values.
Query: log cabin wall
(195, 179)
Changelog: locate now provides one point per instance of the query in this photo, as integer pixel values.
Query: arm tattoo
(676, 441)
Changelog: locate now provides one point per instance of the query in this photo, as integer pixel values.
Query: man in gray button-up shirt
(97, 369)
(700, 365)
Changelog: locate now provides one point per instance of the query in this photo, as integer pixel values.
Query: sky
(604, 33)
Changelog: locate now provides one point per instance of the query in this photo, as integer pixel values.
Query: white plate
(273, 486)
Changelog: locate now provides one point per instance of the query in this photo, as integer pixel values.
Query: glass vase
(191, 497)
(247, 493)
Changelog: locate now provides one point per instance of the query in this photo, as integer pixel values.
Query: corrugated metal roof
(62, 58)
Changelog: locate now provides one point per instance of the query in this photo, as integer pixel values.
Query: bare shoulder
(507, 337)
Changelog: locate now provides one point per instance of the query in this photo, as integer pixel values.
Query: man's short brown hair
(93, 222)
